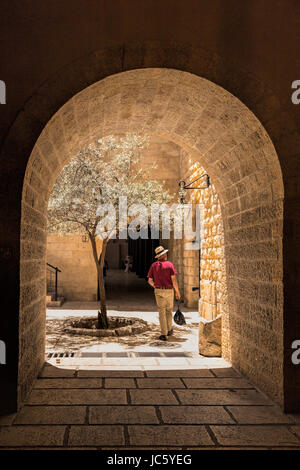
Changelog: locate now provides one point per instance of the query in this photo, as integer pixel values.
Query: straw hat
(159, 251)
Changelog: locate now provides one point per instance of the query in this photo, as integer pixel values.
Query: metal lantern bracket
(183, 184)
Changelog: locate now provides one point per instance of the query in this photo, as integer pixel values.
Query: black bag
(178, 316)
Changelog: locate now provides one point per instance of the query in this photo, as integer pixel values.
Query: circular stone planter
(117, 326)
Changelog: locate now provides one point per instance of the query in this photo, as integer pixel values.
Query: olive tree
(101, 174)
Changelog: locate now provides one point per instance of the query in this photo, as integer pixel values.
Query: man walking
(162, 276)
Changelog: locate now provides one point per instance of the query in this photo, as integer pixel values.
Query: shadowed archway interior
(220, 132)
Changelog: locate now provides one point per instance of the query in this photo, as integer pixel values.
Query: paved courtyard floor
(204, 406)
(184, 339)
(143, 394)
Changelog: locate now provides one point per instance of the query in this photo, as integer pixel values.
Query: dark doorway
(129, 287)
(142, 252)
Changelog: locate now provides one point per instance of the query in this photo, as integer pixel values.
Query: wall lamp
(184, 186)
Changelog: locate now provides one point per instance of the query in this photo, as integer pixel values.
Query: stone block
(169, 436)
(210, 337)
(52, 371)
(259, 415)
(296, 429)
(77, 397)
(225, 372)
(180, 373)
(195, 415)
(160, 383)
(208, 311)
(222, 397)
(96, 436)
(217, 383)
(110, 373)
(68, 383)
(153, 397)
(122, 415)
(119, 383)
(51, 415)
(31, 436)
(7, 420)
(255, 436)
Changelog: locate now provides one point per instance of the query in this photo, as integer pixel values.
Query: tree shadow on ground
(57, 339)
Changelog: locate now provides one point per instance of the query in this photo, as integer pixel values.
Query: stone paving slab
(110, 373)
(255, 436)
(68, 383)
(295, 417)
(77, 397)
(23, 436)
(259, 415)
(181, 362)
(122, 415)
(217, 383)
(296, 429)
(179, 373)
(195, 415)
(217, 405)
(119, 383)
(7, 420)
(160, 383)
(169, 436)
(52, 371)
(96, 436)
(51, 415)
(222, 397)
(122, 361)
(152, 397)
(225, 372)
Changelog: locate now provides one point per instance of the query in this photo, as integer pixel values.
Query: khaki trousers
(164, 300)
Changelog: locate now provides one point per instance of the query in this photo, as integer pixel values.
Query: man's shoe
(170, 332)
(163, 338)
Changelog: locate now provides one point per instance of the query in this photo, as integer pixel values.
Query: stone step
(54, 303)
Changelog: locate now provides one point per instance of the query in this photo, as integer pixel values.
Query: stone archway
(214, 127)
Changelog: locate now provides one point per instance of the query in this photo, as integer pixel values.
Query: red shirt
(161, 272)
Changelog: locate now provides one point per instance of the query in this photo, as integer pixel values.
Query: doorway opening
(127, 263)
(213, 128)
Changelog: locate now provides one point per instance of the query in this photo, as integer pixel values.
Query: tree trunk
(102, 313)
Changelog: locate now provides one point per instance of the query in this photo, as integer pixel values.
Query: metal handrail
(55, 268)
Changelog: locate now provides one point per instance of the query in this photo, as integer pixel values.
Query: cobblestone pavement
(208, 406)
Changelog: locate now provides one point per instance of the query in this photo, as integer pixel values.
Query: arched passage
(214, 128)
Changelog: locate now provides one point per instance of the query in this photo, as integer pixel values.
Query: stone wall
(212, 273)
(74, 257)
(232, 146)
